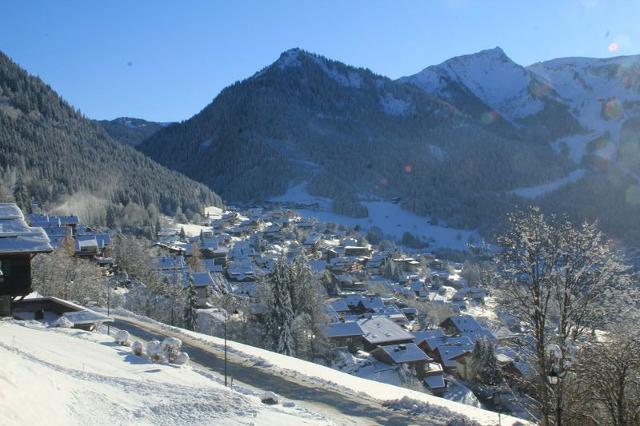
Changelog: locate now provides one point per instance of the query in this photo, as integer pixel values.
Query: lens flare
(632, 195)
(489, 117)
(612, 110)
(613, 47)
(408, 168)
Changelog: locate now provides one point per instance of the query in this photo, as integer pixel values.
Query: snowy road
(339, 406)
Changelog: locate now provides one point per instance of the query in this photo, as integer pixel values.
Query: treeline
(53, 153)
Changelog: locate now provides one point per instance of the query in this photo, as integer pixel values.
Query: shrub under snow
(155, 352)
(171, 348)
(182, 358)
(137, 348)
(63, 322)
(123, 337)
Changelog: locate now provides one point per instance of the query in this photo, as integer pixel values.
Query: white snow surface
(545, 188)
(322, 376)
(55, 376)
(490, 75)
(587, 85)
(390, 217)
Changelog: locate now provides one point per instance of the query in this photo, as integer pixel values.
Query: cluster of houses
(365, 285)
(88, 242)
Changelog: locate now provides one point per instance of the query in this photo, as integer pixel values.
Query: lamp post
(555, 380)
(225, 350)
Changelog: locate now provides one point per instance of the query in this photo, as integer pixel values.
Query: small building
(434, 379)
(344, 334)
(380, 331)
(466, 325)
(404, 353)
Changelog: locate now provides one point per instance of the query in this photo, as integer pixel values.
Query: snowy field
(322, 376)
(391, 218)
(54, 376)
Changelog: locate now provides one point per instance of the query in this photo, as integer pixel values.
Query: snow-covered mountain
(601, 93)
(489, 84)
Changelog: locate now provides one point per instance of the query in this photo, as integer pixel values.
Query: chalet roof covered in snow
(449, 353)
(16, 236)
(343, 329)
(404, 353)
(434, 381)
(202, 279)
(466, 325)
(381, 330)
(427, 334)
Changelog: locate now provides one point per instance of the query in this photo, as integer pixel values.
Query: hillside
(465, 141)
(353, 135)
(131, 131)
(57, 156)
(100, 383)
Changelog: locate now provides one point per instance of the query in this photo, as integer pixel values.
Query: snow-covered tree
(559, 280)
(280, 316)
(483, 362)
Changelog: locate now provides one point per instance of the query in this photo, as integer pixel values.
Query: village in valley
(389, 313)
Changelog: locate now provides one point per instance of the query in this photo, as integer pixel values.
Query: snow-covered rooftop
(16, 236)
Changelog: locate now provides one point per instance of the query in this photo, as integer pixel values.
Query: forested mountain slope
(353, 134)
(131, 131)
(50, 152)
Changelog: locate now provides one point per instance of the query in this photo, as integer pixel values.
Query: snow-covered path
(320, 387)
(341, 408)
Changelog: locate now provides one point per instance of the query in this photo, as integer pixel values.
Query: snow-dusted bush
(137, 348)
(155, 352)
(269, 398)
(63, 322)
(182, 358)
(123, 337)
(171, 348)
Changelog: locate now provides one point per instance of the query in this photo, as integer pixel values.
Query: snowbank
(57, 376)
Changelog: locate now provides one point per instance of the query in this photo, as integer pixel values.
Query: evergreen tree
(191, 312)
(22, 197)
(183, 235)
(483, 362)
(280, 316)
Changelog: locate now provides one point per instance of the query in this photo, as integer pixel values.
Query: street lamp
(224, 316)
(555, 378)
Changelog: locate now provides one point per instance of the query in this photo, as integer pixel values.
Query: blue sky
(165, 60)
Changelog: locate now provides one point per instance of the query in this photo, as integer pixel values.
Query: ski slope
(391, 218)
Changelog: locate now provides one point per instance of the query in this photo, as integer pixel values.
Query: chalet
(19, 243)
(466, 325)
(404, 353)
(357, 251)
(344, 334)
(203, 283)
(87, 246)
(448, 354)
(434, 378)
(380, 331)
